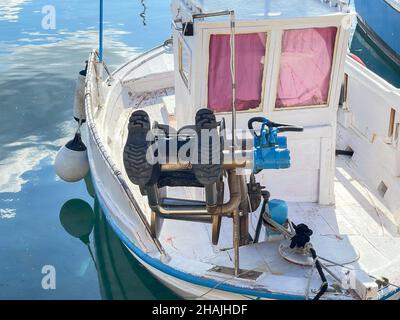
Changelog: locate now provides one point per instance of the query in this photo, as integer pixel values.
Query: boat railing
(110, 77)
(395, 4)
(93, 61)
(166, 43)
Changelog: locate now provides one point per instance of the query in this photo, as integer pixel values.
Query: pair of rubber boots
(143, 173)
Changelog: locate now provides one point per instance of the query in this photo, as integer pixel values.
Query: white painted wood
(188, 101)
(364, 127)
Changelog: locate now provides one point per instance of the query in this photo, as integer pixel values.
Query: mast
(101, 32)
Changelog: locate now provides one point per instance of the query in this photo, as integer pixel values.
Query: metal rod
(211, 14)
(331, 273)
(189, 218)
(278, 227)
(233, 71)
(171, 202)
(140, 213)
(180, 166)
(231, 13)
(180, 210)
(101, 32)
(241, 159)
(228, 208)
(236, 240)
(140, 56)
(109, 73)
(229, 164)
(110, 77)
(155, 205)
(245, 209)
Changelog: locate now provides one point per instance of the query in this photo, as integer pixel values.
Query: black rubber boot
(139, 170)
(210, 172)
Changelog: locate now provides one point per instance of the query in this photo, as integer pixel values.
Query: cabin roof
(268, 9)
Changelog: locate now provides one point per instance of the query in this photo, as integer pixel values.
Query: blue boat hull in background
(380, 20)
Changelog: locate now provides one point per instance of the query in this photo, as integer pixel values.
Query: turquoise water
(38, 69)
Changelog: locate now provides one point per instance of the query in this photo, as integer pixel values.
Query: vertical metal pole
(233, 71)
(236, 240)
(236, 217)
(101, 32)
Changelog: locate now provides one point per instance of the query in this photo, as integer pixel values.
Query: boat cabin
(289, 66)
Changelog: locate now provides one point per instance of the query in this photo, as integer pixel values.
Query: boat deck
(359, 231)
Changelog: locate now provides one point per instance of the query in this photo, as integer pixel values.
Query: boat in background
(380, 20)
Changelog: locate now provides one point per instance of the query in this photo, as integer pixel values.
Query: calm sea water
(38, 225)
(38, 69)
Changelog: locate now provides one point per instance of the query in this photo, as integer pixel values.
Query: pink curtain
(306, 65)
(250, 52)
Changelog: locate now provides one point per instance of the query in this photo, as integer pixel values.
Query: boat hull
(186, 286)
(380, 20)
(189, 290)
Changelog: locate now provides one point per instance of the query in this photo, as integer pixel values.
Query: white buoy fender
(72, 164)
(79, 101)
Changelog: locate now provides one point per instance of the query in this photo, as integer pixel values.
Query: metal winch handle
(270, 124)
(291, 129)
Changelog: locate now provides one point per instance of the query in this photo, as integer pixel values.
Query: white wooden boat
(291, 66)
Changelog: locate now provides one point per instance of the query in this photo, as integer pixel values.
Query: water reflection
(89, 186)
(121, 277)
(37, 96)
(38, 69)
(143, 14)
(10, 9)
(77, 218)
(32, 237)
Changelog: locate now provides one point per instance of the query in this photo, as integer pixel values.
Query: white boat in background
(208, 230)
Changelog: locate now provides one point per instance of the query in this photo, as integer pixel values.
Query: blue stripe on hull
(383, 19)
(208, 283)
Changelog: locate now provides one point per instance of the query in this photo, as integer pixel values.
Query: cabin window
(185, 62)
(250, 56)
(306, 66)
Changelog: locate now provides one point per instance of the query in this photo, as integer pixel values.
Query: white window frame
(316, 106)
(182, 45)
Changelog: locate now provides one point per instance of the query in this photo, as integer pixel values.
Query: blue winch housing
(270, 150)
